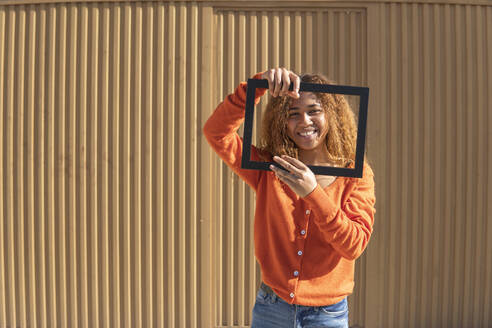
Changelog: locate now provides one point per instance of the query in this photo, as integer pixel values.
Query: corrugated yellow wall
(430, 124)
(114, 211)
(101, 165)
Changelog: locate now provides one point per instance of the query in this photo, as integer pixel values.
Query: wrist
(309, 191)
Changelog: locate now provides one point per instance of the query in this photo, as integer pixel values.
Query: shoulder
(365, 185)
(367, 171)
(367, 179)
(367, 176)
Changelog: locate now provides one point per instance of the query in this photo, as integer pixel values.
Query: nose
(305, 118)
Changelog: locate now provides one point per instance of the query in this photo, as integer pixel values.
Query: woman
(308, 229)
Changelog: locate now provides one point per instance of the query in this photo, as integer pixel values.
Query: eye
(315, 111)
(293, 115)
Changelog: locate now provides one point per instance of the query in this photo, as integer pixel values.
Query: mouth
(307, 133)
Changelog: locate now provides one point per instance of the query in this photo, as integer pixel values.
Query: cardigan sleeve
(347, 227)
(221, 128)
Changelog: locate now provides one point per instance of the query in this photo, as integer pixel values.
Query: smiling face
(333, 134)
(307, 124)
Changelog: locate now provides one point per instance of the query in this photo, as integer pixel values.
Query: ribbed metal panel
(100, 147)
(115, 212)
(430, 106)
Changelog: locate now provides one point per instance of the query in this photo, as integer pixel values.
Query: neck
(318, 156)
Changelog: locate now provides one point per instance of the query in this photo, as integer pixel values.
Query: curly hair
(342, 131)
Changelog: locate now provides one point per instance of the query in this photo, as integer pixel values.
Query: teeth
(307, 133)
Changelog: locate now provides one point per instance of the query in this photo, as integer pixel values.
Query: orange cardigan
(306, 247)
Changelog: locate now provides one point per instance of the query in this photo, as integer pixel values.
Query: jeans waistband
(267, 289)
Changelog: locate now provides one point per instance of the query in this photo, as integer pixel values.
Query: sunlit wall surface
(114, 212)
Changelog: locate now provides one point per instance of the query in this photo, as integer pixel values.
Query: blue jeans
(272, 311)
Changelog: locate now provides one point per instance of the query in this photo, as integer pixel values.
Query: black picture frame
(362, 92)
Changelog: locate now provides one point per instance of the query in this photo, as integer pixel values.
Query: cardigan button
(291, 295)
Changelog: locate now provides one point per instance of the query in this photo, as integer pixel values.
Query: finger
(285, 82)
(283, 175)
(297, 163)
(289, 167)
(286, 181)
(283, 179)
(278, 80)
(281, 172)
(269, 76)
(297, 84)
